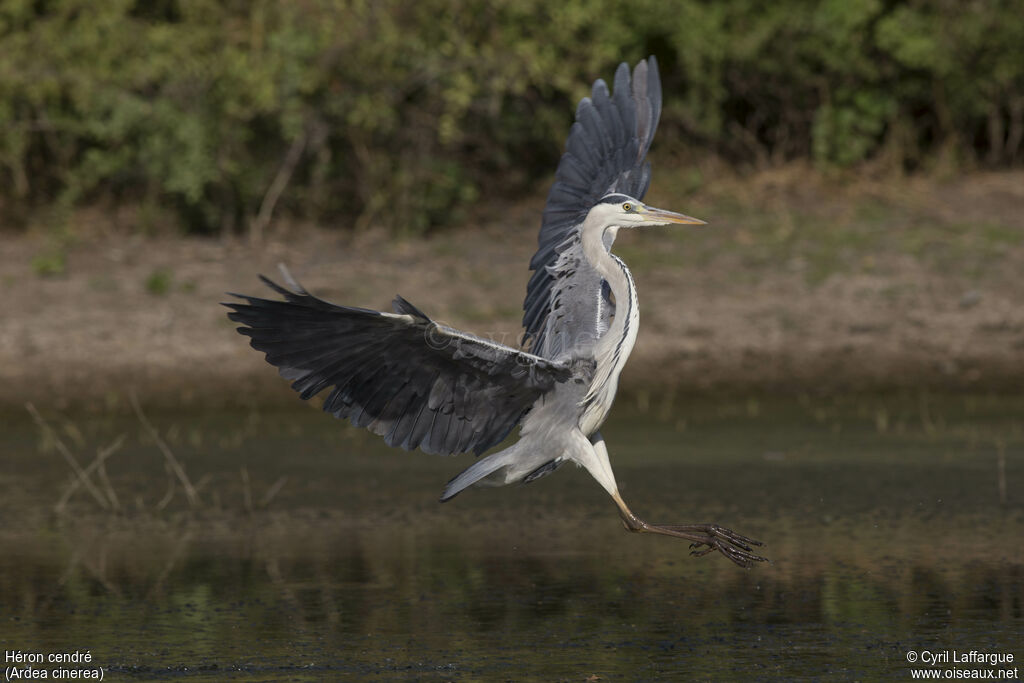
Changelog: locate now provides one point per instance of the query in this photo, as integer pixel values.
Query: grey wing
(567, 303)
(401, 375)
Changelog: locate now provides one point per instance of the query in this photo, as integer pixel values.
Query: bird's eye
(627, 207)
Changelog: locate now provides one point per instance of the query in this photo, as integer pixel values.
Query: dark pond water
(312, 552)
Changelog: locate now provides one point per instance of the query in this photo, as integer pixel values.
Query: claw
(736, 547)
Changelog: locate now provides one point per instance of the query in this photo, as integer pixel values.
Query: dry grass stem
(99, 466)
(165, 501)
(82, 477)
(179, 549)
(246, 489)
(274, 489)
(175, 465)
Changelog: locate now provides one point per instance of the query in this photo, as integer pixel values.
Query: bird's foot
(736, 547)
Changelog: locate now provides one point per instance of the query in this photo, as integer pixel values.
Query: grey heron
(422, 384)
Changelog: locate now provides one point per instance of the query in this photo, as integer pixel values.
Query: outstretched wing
(567, 306)
(401, 375)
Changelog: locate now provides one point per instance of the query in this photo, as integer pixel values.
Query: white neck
(614, 347)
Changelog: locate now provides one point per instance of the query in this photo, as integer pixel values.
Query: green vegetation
(159, 282)
(52, 261)
(225, 113)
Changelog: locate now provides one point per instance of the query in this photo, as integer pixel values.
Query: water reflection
(882, 541)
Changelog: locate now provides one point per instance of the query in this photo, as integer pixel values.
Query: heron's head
(623, 211)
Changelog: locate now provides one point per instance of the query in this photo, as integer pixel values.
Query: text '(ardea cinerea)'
(420, 384)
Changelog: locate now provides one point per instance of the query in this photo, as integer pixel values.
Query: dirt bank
(798, 284)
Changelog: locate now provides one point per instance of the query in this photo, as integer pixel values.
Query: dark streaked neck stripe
(630, 303)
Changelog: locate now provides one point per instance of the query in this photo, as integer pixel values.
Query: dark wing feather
(606, 152)
(401, 375)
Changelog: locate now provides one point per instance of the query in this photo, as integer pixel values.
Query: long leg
(731, 544)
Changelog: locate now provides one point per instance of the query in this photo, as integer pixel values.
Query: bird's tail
(479, 472)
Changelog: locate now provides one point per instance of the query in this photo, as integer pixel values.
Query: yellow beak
(669, 216)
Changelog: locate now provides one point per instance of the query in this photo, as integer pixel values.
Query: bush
(353, 112)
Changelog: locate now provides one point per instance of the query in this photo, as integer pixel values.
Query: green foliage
(405, 112)
(50, 262)
(52, 259)
(159, 282)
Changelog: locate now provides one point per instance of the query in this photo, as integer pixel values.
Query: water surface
(314, 552)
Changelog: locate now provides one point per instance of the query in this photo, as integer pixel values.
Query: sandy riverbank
(796, 285)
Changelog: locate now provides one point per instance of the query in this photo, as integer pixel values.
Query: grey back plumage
(567, 306)
(401, 375)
